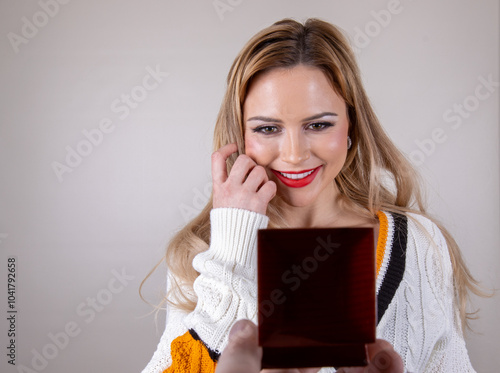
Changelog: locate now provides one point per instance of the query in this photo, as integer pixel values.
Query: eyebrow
(274, 120)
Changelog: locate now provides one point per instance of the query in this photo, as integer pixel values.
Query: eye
(267, 130)
(319, 126)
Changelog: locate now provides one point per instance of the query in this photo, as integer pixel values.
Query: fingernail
(240, 330)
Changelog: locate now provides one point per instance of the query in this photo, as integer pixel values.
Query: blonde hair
(372, 160)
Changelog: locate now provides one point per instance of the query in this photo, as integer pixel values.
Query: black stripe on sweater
(396, 267)
(214, 355)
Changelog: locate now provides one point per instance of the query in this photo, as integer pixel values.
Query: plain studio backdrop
(106, 121)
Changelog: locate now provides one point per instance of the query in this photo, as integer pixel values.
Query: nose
(295, 148)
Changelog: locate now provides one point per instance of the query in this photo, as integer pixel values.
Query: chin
(296, 200)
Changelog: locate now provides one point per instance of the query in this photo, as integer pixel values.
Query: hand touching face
(246, 187)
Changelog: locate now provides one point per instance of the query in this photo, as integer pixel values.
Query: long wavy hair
(376, 175)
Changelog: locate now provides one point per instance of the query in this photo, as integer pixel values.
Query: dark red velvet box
(316, 296)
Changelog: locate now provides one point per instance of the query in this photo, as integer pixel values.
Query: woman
(303, 148)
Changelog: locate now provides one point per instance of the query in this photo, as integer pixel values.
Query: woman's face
(296, 127)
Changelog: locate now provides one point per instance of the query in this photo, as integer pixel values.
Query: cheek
(258, 150)
(333, 144)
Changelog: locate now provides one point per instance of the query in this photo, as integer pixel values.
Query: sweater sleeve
(173, 328)
(444, 344)
(226, 287)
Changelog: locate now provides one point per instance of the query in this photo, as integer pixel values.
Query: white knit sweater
(420, 319)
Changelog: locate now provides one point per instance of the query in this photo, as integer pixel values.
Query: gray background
(120, 204)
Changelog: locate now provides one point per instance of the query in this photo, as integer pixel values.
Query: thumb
(384, 359)
(242, 352)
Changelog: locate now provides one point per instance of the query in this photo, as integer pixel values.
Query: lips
(297, 179)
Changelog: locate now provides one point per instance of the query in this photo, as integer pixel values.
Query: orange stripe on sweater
(189, 356)
(382, 239)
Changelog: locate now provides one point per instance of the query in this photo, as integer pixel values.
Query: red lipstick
(297, 183)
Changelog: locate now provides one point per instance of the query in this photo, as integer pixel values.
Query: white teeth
(296, 176)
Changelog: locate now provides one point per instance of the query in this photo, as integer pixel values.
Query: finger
(379, 345)
(350, 370)
(241, 168)
(383, 358)
(242, 353)
(219, 167)
(268, 191)
(244, 331)
(388, 361)
(256, 178)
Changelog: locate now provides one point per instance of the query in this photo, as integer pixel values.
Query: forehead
(298, 91)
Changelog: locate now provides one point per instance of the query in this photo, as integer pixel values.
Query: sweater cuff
(234, 234)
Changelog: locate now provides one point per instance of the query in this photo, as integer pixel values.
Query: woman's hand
(247, 187)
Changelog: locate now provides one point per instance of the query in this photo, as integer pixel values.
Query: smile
(296, 176)
(297, 179)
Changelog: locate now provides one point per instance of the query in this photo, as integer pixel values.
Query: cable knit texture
(190, 356)
(174, 328)
(227, 285)
(421, 321)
